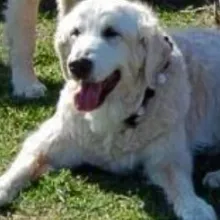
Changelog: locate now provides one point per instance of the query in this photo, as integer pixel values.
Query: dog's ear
(62, 47)
(157, 47)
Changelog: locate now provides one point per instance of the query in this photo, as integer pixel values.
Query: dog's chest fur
(110, 148)
(118, 150)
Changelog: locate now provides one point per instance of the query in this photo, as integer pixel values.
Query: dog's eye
(75, 32)
(110, 33)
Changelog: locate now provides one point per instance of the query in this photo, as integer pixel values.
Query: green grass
(87, 193)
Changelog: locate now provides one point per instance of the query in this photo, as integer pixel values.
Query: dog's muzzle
(92, 94)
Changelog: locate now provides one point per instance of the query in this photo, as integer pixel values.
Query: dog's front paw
(4, 197)
(198, 210)
(7, 191)
(212, 179)
(29, 89)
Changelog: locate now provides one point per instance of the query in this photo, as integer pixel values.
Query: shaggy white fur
(124, 39)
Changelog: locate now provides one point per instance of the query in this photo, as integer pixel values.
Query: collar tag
(162, 78)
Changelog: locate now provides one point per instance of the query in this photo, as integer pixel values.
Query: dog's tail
(217, 12)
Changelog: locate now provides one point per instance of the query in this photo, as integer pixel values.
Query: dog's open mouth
(92, 94)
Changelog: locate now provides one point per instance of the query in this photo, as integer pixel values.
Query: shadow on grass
(135, 184)
(48, 7)
(4, 80)
(127, 185)
(175, 5)
(2, 8)
(6, 211)
(205, 163)
(6, 90)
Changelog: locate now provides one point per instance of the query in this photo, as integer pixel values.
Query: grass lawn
(87, 193)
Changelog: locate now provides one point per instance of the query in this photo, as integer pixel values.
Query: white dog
(134, 95)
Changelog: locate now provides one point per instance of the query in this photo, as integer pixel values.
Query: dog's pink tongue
(89, 96)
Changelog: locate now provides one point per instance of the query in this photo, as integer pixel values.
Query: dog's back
(201, 50)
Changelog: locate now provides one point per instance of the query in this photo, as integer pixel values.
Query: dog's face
(105, 47)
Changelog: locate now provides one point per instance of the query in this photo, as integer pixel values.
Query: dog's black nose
(81, 68)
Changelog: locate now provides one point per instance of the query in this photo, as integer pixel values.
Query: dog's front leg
(50, 146)
(170, 166)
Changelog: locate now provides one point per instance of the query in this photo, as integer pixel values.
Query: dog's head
(112, 49)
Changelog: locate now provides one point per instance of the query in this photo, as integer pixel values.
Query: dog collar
(133, 119)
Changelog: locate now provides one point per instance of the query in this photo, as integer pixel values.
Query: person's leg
(21, 17)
